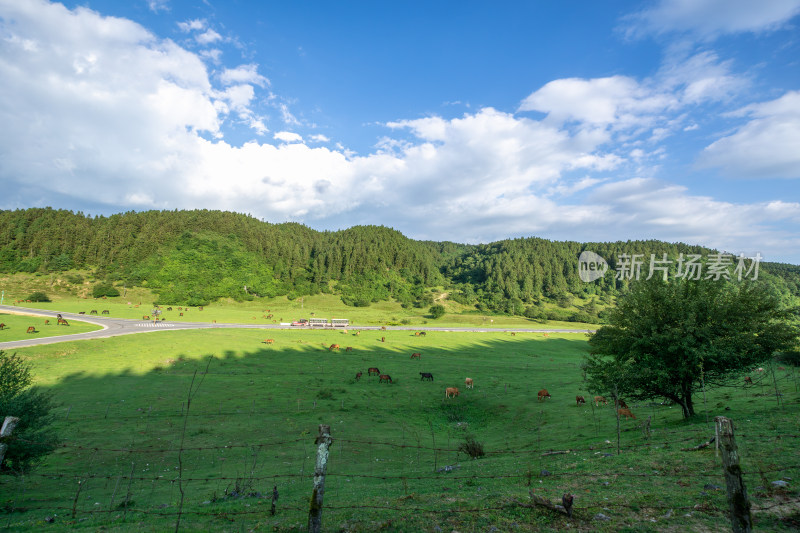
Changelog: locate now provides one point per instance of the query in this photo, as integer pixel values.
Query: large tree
(666, 339)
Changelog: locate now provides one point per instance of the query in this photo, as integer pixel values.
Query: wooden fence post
(9, 424)
(323, 442)
(741, 519)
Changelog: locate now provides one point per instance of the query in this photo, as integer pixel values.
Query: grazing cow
(200, 308)
(169, 309)
(81, 312)
(543, 394)
(93, 312)
(63, 322)
(451, 392)
(2, 326)
(358, 333)
(513, 334)
(416, 333)
(46, 322)
(546, 335)
(383, 328)
(423, 333)
(426, 375)
(579, 400)
(333, 347)
(384, 378)
(358, 375)
(268, 341)
(31, 329)
(383, 339)
(146, 317)
(621, 403)
(598, 400)
(59, 315)
(416, 355)
(348, 349)
(626, 413)
(180, 314)
(372, 370)
(105, 312)
(748, 380)
(468, 383)
(181, 308)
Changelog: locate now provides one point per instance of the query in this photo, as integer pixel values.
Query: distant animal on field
(383, 328)
(81, 312)
(579, 400)
(468, 383)
(423, 333)
(598, 400)
(93, 312)
(62, 322)
(358, 375)
(105, 312)
(268, 341)
(543, 394)
(748, 380)
(451, 392)
(384, 378)
(31, 329)
(621, 403)
(46, 322)
(333, 347)
(426, 375)
(416, 355)
(146, 317)
(626, 413)
(373, 370)
(169, 309)
(348, 349)
(383, 339)
(2, 326)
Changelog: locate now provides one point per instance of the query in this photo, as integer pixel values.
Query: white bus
(339, 322)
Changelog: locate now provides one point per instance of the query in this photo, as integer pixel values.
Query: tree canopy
(668, 339)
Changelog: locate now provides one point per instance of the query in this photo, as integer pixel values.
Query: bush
(34, 438)
(38, 297)
(472, 447)
(104, 289)
(437, 311)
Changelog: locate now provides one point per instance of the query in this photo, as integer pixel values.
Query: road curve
(113, 327)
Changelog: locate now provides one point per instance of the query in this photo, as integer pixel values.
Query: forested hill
(193, 257)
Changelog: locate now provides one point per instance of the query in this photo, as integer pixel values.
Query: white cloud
(764, 147)
(243, 74)
(207, 37)
(192, 25)
(319, 138)
(711, 18)
(158, 5)
(288, 137)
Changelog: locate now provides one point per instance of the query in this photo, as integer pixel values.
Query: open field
(16, 327)
(253, 418)
(137, 303)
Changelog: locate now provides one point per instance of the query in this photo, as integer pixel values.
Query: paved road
(113, 327)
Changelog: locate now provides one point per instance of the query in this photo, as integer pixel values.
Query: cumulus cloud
(83, 128)
(766, 146)
(711, 18)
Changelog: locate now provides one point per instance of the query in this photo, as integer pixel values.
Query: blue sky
(465, 121)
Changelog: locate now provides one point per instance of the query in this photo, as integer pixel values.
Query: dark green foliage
(104, 289)
(38, 297)
(364, 264)
(437, 311)
(472, 447)
(32, 438)
(667, 339)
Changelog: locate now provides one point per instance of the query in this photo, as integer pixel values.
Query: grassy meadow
(255, 409)
(16, 327)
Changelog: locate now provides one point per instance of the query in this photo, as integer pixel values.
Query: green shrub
(104, 289)
(437, 311)
(38, 297)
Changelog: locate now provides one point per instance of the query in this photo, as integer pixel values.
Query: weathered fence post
(741, 520)
(323, 442)
(9, 424)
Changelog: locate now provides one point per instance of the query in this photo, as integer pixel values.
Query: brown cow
(748, 380)
(416, 355)
(598, 400)
(372, 370)
(31, 329)
(384, 378)
(63, 322)
(358, 375)
(383, 339)
(621, 403)
(268, 341)
(468, 383)
(105, 312)
(451, 392)
(93, 312)
(383, 328)
(626, 413)
(543, 394)
(333, 347)
(579, 400)
(2, 326)
(46, 322)
(348, 349)
(416, 333)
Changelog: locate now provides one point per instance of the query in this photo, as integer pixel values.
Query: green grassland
(254, 413)
(16, 327)
(137, 302)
